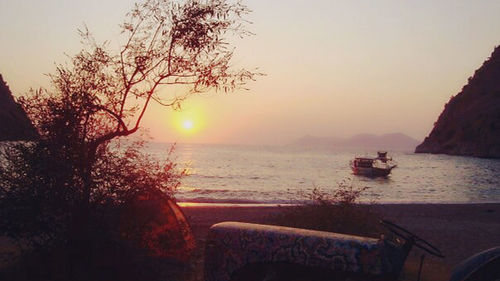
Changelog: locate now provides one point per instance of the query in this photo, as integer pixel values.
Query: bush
(128, 220)
(339, 211)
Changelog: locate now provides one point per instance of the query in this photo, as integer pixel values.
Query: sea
(244, 174)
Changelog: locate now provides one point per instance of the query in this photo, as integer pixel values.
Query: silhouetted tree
(76, 177)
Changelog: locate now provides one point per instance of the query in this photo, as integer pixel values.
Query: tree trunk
(81, 240)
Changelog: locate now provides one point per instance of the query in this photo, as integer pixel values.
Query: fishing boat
(375, 167)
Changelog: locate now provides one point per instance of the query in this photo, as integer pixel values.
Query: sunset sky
(334, 68)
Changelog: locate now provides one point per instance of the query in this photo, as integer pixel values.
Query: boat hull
(371, 172)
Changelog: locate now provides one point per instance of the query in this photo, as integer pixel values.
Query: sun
(187, 125)
(189, 122)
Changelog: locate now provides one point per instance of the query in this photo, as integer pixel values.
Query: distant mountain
(14, 124)
(395, 141)
(470, 122)
(309, 140)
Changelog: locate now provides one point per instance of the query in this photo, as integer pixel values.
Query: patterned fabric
(233, 245)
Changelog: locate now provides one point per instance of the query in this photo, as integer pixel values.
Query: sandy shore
(458, 230)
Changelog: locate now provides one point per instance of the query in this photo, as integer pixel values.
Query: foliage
(41, 206)
(169, 47)
(339, 211)
(78, 189)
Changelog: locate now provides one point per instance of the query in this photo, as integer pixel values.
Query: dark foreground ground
(458, 230)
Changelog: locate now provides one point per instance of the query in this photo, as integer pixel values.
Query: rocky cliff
(470, 122)
(14, 124)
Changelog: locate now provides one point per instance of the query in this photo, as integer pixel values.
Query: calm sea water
(258, 174)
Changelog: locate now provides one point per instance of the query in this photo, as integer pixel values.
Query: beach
(458, 230)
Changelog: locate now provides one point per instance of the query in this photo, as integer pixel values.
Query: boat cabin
(363, 162)
(382, 156)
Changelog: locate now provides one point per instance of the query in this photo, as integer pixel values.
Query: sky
(333, 68)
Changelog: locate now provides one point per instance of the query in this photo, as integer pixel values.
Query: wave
(209, 176)
(234, 200)
(209, 191)
(215, 200)
(200, 176)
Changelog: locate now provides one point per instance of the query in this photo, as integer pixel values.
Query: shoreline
(230, 203)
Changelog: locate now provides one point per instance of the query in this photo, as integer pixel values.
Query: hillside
(395, 141)
(14, 124)
(470, 122)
